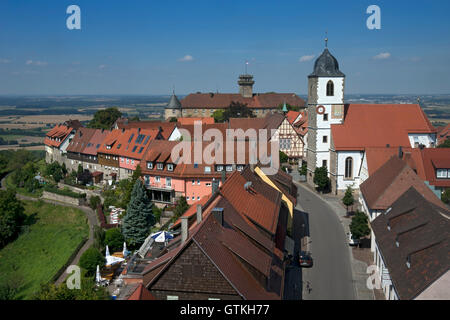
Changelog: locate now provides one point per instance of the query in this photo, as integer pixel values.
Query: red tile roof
(141, 293)
(192, 211)
(130, 143)
(390, 181)
(56, 136)
(80, 140)
(96, 141)
(379, 125)
(292, 116)
(185, 121)
(166, 127)
(223, 100)
(433, 159)
(443, 134)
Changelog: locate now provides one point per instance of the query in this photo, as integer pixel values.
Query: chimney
(199, 213)
(218, 215)
(400, 152)
(184, 229)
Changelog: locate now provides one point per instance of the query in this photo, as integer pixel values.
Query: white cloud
(102, 66)
(4, 60)
(186, 58)
(382, 56)
(306, 58)
(36, 63)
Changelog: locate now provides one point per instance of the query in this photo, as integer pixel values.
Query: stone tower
(325, 107)
(173, 109)
(246, 83)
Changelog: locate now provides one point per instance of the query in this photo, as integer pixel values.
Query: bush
(64, 192)
(283, 157)
(90, 259)
(114, 239)
(12, 216)
(303, 170)
(359, 227)
(94, 202)
(321, 179)
(446, 196)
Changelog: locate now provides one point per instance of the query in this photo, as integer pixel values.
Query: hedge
(64, 192)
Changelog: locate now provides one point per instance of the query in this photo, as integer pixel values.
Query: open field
(46, 244)
(38, 121)
(42, 147)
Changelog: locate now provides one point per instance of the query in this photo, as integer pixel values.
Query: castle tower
(325, 107)
(246, 83)
(173, 109)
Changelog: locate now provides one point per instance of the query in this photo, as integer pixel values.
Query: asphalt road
(331, 277)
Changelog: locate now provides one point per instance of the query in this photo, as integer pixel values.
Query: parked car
(305, 260)
(351, 240)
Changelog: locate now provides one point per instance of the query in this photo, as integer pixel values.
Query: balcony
(158, 186)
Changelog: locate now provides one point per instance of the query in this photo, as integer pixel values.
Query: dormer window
(389, 226)
(330, 89)
(108, 147)
(397, 243)
(170, 167)
(229, 168)
(207, 169)
(149, 165)
(219, 168)
(408, 262)
(442, 173)
(239, 167)
(159, 166)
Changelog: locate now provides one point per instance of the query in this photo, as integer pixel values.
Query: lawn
(53, 233)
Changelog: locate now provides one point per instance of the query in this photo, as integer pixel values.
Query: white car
(351, 240)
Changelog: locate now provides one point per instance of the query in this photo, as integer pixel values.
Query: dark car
(305, 260)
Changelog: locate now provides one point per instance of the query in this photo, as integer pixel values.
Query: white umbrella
(124, 251)
(98, 277)
(107, 251)
(161, 236)
(111, 260)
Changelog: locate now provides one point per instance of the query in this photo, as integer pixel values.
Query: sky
(150, 47)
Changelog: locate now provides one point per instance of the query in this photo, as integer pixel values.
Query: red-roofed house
(56, 142)
(443, 134)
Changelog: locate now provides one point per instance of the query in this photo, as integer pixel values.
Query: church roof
(326, 66)
(174, 103)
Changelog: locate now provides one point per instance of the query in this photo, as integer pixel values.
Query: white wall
(342, 183)
(338, 92)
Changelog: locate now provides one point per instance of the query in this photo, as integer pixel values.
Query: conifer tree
(139, 217)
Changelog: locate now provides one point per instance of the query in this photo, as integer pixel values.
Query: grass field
(42, 249)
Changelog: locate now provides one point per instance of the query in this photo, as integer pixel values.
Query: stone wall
(65, 199)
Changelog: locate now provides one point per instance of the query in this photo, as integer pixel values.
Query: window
(229, 168)
(193, 182)
(285, 144)
(157, 179)
(159, 166)
(169, 182)
(128, 161)
(208, 184)
(349, 168)
(198, 181)
(330, 88)
(325, 139)
(239, 167)
(147, 180)
(170, 166)
(149, 165)
(172, 297)
(207, 169)
(325, 117)
(442, 173)
(198, 198)
(324, 163)
(219, 168)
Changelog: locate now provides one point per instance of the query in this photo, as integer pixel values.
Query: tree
(359, 226)
(54, 170)
(181, 207)
(114, 239)
(289, 107)
(85, 177)
(237, 110)
(139, 217)
(283, 157)
(94, 202)
(12, 216)
(88, 291)
(90, 259)
(99, 238)
(104, 119)
(173, 119)
(129, 185)
(321, 179)
(445, 144)
(348, 198)
(304, 169)
(218, 116)
(446, 196)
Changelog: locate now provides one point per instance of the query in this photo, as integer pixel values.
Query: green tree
(88, 291)
(114, 239)
(359, 227)
(94, 202)
(12, 216)
(90, 259)
(218, 116)
(139, 217)
(283, 157)
(104, 119)
(446, 144)
(321, 179)
(99, 238)
(304, 169)
(237, 110)
(348, 198)
(173, 119)
(289, 107)
(446, 196)
(181, 207)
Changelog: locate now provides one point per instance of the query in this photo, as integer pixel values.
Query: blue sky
(147, 47)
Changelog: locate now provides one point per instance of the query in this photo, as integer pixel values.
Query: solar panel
(134, 149)
(140, 150)
(146, 140)
(131, 138)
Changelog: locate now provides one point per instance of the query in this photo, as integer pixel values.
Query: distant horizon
(184, 94)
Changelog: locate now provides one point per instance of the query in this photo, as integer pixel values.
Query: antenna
(326, 39)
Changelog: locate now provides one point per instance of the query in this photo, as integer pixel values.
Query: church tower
(173, 109)
(325, 107)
